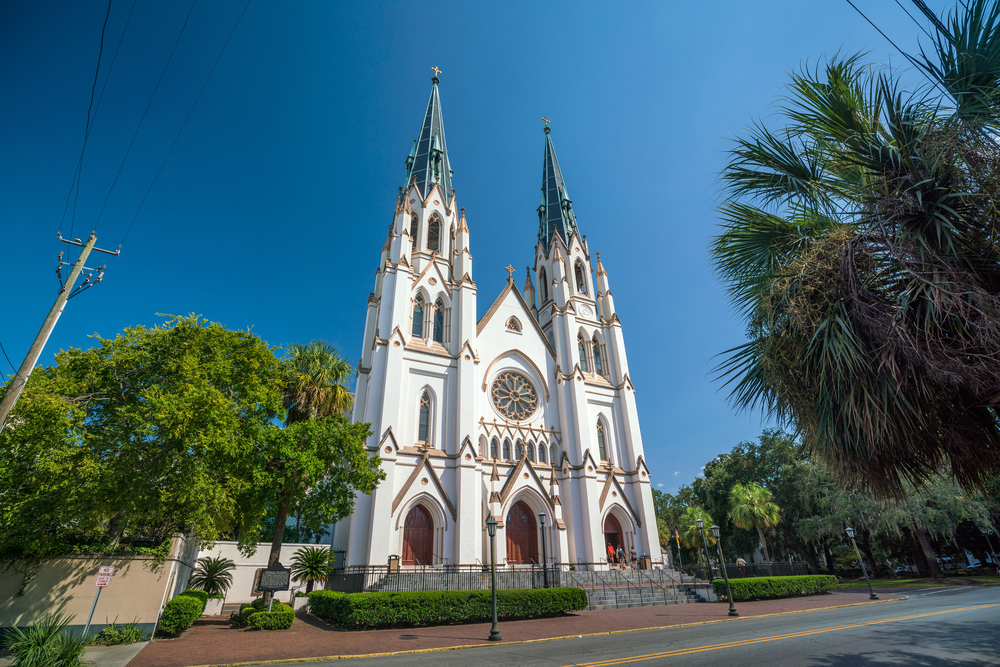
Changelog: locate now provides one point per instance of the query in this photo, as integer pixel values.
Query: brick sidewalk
(213, 642)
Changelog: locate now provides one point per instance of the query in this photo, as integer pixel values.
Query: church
(527, 414)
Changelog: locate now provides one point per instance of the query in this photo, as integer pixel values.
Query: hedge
(389, 610)
(280, 617)
(771, 588)
(201, 595)
(179, 614)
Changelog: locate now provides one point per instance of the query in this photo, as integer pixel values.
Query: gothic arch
(414, 231)
(538, 375)
(483, 447)
(434, 232)
(624, 519)
(432, 506)
(543, 284)
(602, 437)
(428, 392)
(536, 504)
(580, 277)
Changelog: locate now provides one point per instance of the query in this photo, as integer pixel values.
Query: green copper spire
(555, 213)
(428, 159)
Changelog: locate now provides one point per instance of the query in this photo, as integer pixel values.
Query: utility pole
(65, 292)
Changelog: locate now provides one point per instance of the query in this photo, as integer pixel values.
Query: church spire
(427, 163)
(555, 212)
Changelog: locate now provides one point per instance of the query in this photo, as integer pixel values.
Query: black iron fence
(781, 569)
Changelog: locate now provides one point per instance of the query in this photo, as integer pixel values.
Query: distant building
(528, 410)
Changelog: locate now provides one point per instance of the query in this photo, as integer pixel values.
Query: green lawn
(948, 581)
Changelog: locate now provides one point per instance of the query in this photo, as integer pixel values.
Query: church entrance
(522, 535)
(613, 533)
(418, 537)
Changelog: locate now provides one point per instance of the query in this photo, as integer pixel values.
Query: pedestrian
(620, 553)
(740, 561)
(634, 557)
(611, 554)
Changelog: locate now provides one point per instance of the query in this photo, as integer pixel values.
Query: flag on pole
(677, 536)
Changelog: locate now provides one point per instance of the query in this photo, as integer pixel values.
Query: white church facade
(524, 412)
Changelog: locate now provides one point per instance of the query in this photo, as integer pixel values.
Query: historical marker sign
(275, 578)
(104, 575)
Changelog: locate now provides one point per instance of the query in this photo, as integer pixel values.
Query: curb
(543, 639)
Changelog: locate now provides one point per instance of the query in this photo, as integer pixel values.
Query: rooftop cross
(546, 121)
(437, 72)
(510, 272)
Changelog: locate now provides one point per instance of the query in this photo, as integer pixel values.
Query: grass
(948, 581)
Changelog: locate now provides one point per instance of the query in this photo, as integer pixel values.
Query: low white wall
(246, 568)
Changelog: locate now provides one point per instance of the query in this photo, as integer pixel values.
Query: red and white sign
(104, 575)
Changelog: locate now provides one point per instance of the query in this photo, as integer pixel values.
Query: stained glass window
(425, 417)
(601, 446)
(439, 321)
(418, 317)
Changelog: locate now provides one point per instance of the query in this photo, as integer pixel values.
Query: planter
(213, 607)
(300, 604)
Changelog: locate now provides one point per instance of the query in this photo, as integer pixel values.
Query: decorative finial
(510, 272)
(437, 72)
(463, 210)
(546, 121)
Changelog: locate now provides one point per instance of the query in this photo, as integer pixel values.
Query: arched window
(494, 445)
(425, 417)
(434, 232)
(531, 452)
(519, 451)
(482, 446)
(418, 317)
(598, 363)
(452, 246)
(506, 450)
(553, 455)
(602, 447)
(439, 320)
(581, 284)
(541, 453)
(414, 224)
(581, 345)
(543, 285)
(513, 324)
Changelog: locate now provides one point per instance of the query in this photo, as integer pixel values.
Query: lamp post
(708, 560)
(491, 528)
(871, 593)
(725, 574)
(545, 558)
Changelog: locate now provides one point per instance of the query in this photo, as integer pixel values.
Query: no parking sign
(104, 575)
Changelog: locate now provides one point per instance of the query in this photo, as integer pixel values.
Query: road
(954, 627)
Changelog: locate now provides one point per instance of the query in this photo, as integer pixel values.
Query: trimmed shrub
(200, 595)
(388, 610)
(280, 617)
(772, 588)
(179, 614)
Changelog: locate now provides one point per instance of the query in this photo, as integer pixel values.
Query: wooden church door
(418, 537)
(613, 534)
(522, 535)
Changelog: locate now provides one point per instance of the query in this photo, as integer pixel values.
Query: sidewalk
(213, 642)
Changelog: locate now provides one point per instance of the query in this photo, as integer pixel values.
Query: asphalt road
(954, 627)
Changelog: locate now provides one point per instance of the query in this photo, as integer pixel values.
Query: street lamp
(725, 574)
(545, 559)
(850, 534)
(491, 528)
(708, 559)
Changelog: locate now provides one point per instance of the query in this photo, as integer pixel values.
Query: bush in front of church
(179, 614)
(773, 588)
(280, 618)
(389, 610)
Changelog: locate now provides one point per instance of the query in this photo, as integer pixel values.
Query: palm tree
(311, 564)
(213, 575)
(691, 534)
(861, 244)
(315, 388)
(317, 382)
(752, 508)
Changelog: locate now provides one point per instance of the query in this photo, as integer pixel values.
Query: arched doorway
(613, 533)
(418, 537)
(522, 535)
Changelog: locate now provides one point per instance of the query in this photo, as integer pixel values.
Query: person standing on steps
(611, 554)
(634, 558)
(620, 554)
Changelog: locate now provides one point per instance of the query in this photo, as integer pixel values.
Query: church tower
(415, 376)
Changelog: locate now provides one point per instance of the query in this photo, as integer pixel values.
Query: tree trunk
(763, 544)
(831, 562)
(866, 547)
(928, 552)
(309, 586)
(115, 528)
(279, 534)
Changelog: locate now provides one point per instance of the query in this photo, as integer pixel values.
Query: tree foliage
(860, 243)
(751, 507)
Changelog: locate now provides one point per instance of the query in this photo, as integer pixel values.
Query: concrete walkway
(213, 641)
(99, 656)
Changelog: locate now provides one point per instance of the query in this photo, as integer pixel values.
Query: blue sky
(272, 209)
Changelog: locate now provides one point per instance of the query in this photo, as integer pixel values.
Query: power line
(12, 367)
(184, 124)
(922, 28)
(151, 97)
(86, 130)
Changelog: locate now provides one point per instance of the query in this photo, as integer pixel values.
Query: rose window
(513, 396)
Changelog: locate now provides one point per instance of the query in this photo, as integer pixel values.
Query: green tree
(752, 508)
(860, 243)
(691, 535)
(312, 564)
(141, 436)
(212, 574)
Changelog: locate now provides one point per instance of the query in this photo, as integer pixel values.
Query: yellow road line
(760, 640)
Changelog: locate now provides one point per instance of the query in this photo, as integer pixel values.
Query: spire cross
(510, 272)
(546, 121)
(436, 71)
